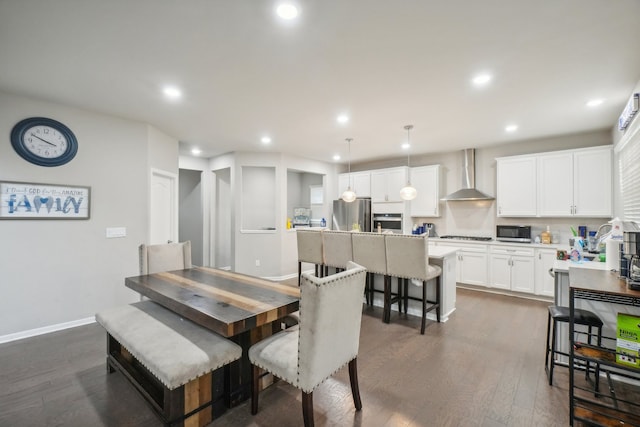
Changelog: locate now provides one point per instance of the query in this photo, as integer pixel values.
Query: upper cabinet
(569, 183)
(426, 180)
(575, 183)
(360, 182)
(386, 184)
(516, 186)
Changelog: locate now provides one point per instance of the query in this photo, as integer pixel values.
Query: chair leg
(546, 353)
(597, 384)
(255, 380)
(552, 363)
(424, 307)
(438, 296)
(307, 409)
(400, 298)
(386, 309)
(406, 296)
(355, 389)
(586, 371)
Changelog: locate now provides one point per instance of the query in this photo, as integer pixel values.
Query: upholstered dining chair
(369, 252)
(309, 250)
(408, 258)
(164, 257)
(337, 249)
(326, 339)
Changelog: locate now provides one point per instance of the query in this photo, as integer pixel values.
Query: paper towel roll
(612, 251)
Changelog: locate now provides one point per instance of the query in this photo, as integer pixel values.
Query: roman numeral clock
(44, 142)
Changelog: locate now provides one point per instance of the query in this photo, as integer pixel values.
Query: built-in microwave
(388, 222)
(513, 233)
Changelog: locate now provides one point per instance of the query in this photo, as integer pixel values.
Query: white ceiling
(246, 73)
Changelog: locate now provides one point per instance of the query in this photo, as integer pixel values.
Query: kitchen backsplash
(479, 219)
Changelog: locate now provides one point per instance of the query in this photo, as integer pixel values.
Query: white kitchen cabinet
(592, 177)
(426, 180)
(387, 183)
(516, 186)
(471, 262)
(360, 183)
(544, 260)
(512, 268)
(575, 183)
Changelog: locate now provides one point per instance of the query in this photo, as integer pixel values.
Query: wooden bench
(177, 365)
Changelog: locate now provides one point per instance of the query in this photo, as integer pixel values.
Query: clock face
(44, 142)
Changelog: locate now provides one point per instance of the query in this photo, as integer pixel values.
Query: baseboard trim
(46, 329)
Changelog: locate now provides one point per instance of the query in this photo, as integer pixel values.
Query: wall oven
(513, 233)
(388, 222)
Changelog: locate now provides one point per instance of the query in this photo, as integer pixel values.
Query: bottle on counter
(379, 228)
(288, 223)
(323, 223)
(545, 236)
(576, 252)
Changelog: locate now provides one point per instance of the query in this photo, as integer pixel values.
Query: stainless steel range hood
(468, 190)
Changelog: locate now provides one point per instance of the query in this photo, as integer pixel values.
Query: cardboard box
(628, 340)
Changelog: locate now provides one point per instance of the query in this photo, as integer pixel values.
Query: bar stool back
(408, 258)
(309, 250)
(369, 252)
(337, 249)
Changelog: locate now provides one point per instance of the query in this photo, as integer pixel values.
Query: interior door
(163, 207)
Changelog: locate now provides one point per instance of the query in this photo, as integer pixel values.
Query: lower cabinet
(544, 260)
(471, 263)
(512, 268)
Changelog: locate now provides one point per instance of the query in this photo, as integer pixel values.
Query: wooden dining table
(243, 308)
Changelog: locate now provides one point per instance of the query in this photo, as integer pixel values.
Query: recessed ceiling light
(594, 102)
(342, 118)
(406, 146)
(481, 79)
(266, 140)
(287, 11)
(336, 157)
(511, 128)
(172, 92)
(196, 151)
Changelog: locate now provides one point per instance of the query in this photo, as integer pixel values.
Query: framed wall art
(26, 200)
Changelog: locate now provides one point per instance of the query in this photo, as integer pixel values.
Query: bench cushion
(173, 349)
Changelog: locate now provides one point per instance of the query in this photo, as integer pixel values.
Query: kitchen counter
(563, 266)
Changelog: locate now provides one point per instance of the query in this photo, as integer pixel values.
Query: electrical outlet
(257, 263)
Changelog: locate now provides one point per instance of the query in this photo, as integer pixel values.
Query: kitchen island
(445, 258)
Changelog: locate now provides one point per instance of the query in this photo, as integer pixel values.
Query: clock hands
(43, 140)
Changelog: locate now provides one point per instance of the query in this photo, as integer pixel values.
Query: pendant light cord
(408, 128)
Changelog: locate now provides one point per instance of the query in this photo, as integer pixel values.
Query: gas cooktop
(478, 238)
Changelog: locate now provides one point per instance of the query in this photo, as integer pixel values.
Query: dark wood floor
(484, 367)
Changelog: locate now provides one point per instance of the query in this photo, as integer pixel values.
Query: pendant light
(349, 195)
(408, 192)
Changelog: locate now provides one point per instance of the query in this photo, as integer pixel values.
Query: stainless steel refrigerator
(349, 216)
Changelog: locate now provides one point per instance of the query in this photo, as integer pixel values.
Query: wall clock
(43, 141)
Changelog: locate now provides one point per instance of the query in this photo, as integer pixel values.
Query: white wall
(64, 271)
(191, 213)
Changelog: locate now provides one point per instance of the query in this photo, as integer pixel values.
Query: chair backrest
(164, 257)
(309, 246)
(337, 248)
(407, 256)
(329, 328)
(369, 251)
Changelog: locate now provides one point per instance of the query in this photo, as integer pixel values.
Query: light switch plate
(113, 232)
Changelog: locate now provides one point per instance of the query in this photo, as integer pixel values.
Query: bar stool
(369, 252)
(587, 318)
(310, 250)
(408, 258)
